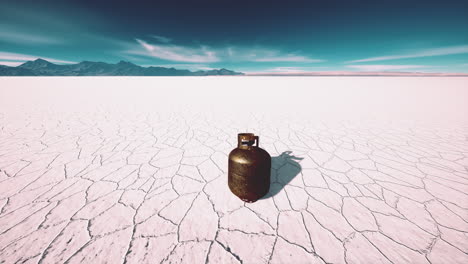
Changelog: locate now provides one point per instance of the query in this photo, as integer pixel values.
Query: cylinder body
(249, 169)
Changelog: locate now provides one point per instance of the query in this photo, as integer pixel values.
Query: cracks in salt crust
(308, 233)
(45, 252)
(133, 228)
(230, 252)
(386, 169)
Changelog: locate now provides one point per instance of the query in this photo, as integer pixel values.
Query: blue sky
(247, 36)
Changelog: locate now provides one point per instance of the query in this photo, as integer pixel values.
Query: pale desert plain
(134, 170)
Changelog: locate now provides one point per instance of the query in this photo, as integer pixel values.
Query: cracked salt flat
(365, 170)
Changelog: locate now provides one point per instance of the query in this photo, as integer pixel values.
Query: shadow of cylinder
(285, 168)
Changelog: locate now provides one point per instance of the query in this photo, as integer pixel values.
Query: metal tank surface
(249, 169)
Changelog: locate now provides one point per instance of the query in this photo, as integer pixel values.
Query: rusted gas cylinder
(249, 169)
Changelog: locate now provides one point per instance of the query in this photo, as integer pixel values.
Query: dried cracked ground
(139, 187)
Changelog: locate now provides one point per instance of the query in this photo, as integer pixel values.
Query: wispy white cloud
(16, 57)
(422, 53)
(161, 38)
(19, 36)
(286, 58)
(205, 54)
(175, 53)
(387, 67)
(259, 54)
(11, 63)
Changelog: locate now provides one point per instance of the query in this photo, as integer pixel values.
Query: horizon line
(305, 73)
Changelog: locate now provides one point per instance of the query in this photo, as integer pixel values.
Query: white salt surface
(120, 169)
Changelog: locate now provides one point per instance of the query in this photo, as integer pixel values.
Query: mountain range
(41, 67)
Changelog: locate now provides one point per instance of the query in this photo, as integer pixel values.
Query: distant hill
(42, 67)
(15, 71)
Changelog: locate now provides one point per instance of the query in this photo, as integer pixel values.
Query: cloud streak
(205, 54)
(11, 63)
(287, 58)
(16, 57)
(13, 34)
(258, 54)
(161, 38)
(423, 53)
(176, 53)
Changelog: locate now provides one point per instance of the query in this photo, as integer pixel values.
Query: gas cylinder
(249, 169)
